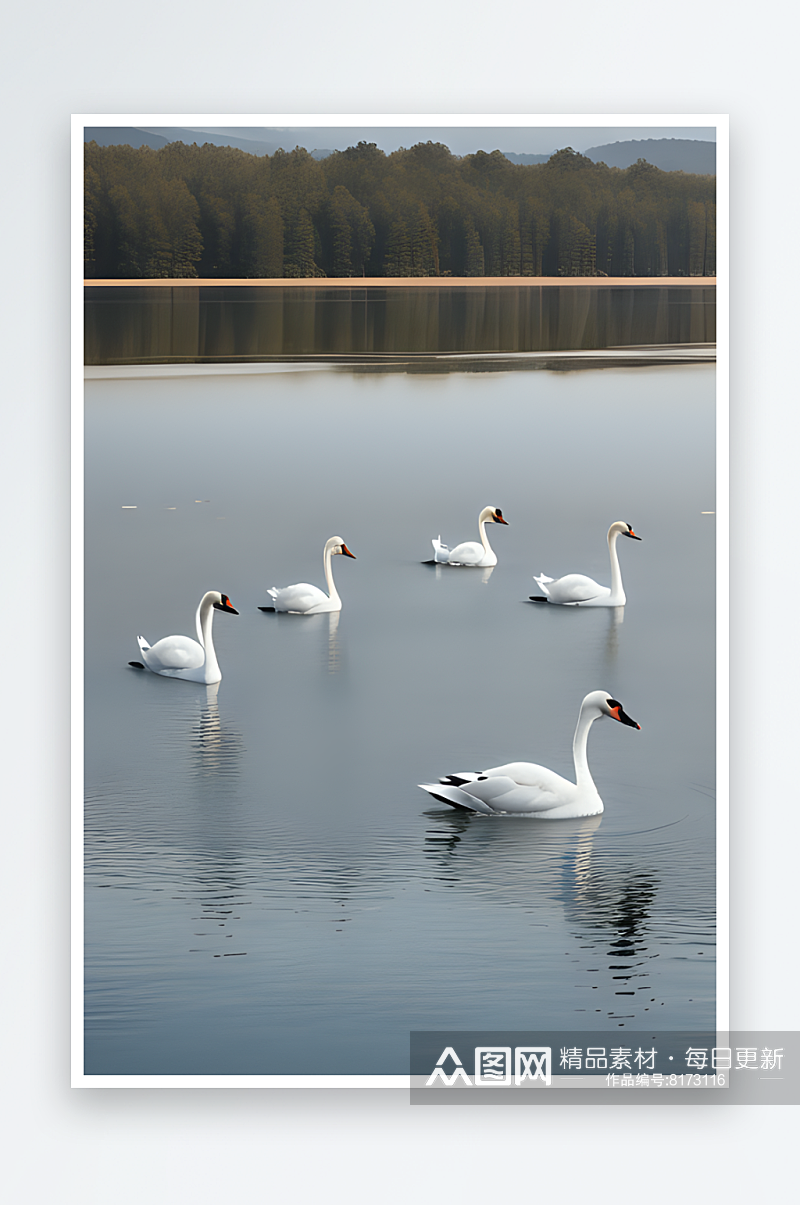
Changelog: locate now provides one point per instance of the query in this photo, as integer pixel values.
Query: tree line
(209, 211)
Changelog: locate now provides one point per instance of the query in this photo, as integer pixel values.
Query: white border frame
(284, 120)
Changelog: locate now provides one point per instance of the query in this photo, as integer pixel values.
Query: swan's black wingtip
(135, 665)
(459, 807)
(443, 799)
(267, 609)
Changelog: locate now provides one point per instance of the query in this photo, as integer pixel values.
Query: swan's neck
(332, 591)
(617, 593)
(484, 538)
(205, 618)
(583, 776)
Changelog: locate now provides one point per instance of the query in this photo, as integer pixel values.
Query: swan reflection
(217, 746)
(607, 897)
(440, 570)
(522, 862)
(334, 653)
(616, 617)
(515, 861)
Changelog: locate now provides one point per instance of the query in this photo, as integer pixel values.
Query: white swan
(522, 788)
(470, 552)
(303, 599)
(182, 657)
(575, 590)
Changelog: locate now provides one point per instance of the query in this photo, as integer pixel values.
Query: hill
(515, 158)
(669, 154)
(123, 136)
(253, 146)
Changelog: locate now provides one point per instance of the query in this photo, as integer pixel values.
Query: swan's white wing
(529, 774)
(524, 773)
(173, 653)
(574, 588)
(468, 553)
(300, 597)
(503, 794)
(515, 787)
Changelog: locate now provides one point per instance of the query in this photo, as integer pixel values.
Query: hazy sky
(463, 140)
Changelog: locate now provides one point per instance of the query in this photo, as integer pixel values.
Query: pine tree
(473, 258)
(298, 246)
(352, 234)
(399, 258)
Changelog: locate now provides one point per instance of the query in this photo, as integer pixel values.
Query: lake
(140, 323)
(267, 889)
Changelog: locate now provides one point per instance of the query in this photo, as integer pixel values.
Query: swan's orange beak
(498, 518)
(225, 605)
(345, 551)
(632, 534)
(618, 714)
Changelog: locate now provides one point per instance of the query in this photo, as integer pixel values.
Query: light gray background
(89, 57)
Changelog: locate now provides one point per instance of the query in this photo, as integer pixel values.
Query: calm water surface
(267, 890)
(141, 324)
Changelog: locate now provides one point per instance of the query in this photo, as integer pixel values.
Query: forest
(208, 211)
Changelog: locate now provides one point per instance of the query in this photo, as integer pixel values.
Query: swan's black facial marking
(617, 713)
(498, 517)
(345, 551)
(631, 533)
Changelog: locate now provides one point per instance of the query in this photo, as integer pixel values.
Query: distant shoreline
(405, 282)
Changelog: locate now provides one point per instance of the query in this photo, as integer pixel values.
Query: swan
(182, 657)
(522, 788)
(470, 552)
(575, 590)
(303, 599)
